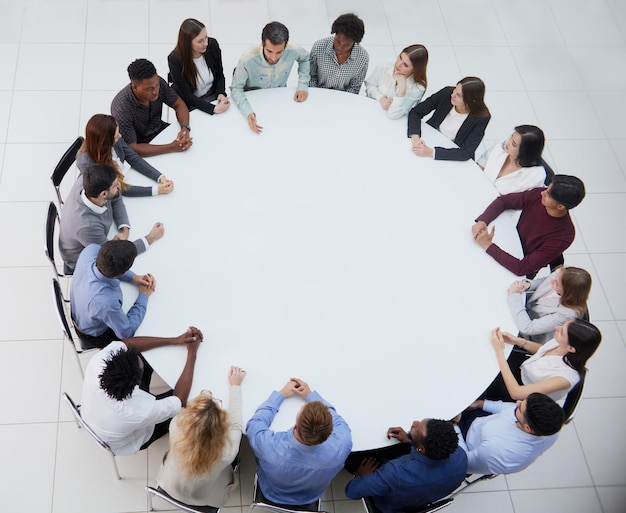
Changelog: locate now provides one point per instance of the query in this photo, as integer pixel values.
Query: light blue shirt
(96, 300)
(496, 445)
(254, 72)
(290, 472)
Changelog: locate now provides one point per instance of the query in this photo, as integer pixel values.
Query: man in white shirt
(124, 416)
(511, 436)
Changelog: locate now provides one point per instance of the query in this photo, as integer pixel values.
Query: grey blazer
(536, 320)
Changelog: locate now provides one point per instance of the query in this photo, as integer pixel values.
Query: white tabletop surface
(324, 249)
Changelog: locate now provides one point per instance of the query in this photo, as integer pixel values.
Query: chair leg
(80, 365)
(150, 506)
(252, 506)
(117, 472)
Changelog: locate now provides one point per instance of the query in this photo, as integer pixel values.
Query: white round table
(324, 249)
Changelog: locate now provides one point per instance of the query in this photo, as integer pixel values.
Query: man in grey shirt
(90, 209)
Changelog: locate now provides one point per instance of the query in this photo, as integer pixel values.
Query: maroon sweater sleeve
(513, 201)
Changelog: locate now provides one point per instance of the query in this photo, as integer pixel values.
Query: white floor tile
(598, 305)
(8, 63)
(569, 500)
(443, 68)
(338, 485)
(536, 66)
(11, 16)
(472, 23)
(30, 107)
(373, 15)
(508, 109)
(72, 379)
(467, 502)
(598, 217)
(166, 17)
(419, 21)
(619, 149)
(36, 366)
(106, 64)
(32, 217)
(69, 16)
(566, 115)
(600, 28)
(612, 271)
(307, 21)
(95, 102)
(530, 23)
(28, 453)
(157, 54)
(85, 480)
(563, 465)
(622, 329)
(607, 364)
(599, 424)
(612, 498)
(5, 109)
(610, 109)
(479, 62)
(348, 506)
(601, 69)
(239, 22)
(129, 19)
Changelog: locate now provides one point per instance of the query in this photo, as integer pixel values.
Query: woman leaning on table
(196, 69)
(460, 114)
(104, 145)
(204, 443)
(554, 367)
(539, 306)
(399, 86)
(514, 164)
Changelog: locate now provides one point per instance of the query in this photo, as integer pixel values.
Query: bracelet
(525, 342)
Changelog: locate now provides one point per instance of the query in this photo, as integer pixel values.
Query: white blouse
(204, 79)
(381, 83)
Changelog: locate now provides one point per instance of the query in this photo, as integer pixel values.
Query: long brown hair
(418, 55)
(576, 284)
(189, 29)
(99, 141)
(474, 96)
(202, 434)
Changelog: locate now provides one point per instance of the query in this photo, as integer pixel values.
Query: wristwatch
(187, 127)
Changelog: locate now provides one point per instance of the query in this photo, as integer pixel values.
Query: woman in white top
(555, 366)
(514, 164)
(400, 86)
(204, 442)
(551, 301)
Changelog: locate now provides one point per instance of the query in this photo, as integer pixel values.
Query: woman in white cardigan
(400, 86)
(204, 442)
(540, 305)
(514, 164)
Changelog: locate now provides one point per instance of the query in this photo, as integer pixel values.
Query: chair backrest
(370, 506)
(63, 166)
(258, 499)
(51, 221)
(549, 172)
(573, 398)
(163, 495)
(59, 303)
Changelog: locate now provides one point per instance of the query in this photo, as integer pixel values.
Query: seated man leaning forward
(296, 466)
(269, 65)
(124, 416)
(90, 209)
(511, 435)
(137, 109)
(545, 228)
(426, 466)
(96, 296)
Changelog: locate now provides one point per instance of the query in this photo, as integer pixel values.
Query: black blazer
(213, 58)
(467, 138)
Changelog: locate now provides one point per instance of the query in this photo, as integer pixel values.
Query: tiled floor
(558, 63)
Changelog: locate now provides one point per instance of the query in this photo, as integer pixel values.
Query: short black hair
(98, 178)
(350, 25)
(544, 416)
(141, 69)
(441, 440)
(276, 32)
(121, 373)
(567, 190)
(116, 257)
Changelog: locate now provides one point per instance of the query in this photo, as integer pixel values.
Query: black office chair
(573, 398)
(60, 304)
(549, 172)
(64, 165)
(259, 500)
(51, 221)
(468, 481)
(163, 495)
(370, 506)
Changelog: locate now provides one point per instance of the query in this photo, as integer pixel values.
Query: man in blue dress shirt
(431, 467)
(295, 467)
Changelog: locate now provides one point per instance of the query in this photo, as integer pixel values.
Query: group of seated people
(494, 435)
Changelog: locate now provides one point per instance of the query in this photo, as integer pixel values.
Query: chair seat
(259, 497)
(163, 495)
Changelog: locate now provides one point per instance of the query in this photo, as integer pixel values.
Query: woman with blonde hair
(104, 145)
(399, 86)
(551, 301)
(204, 442)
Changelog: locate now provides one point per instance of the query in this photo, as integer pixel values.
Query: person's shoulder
(213, 44)
(251, 53)
(173, 56)
(322, 43)
(124, 95)
(360, 51)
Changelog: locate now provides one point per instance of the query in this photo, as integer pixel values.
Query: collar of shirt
(330, 50)
(112, 282)
(92, 206)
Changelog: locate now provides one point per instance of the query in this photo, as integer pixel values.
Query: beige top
(214, 487)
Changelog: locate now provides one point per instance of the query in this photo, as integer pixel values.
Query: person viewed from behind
(427, 465)
(104, 145)
(514, 164)
(399, 86)
(204, 442)
(294, 467)
(340, 62)
(269, 65)
(137, 109)
(539, 306)
(545, 228)
(196, 69)
(459, 113)
(554, 367)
